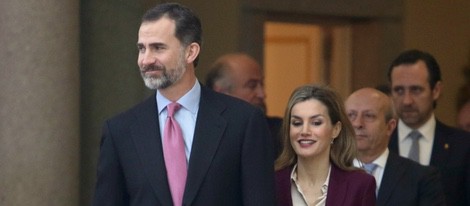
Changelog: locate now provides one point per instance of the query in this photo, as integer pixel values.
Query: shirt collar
(427, 130)
(293, 177)
(189, 101)
(293, 174)
(381, 161)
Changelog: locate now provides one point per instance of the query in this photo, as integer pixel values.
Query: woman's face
(311, 131)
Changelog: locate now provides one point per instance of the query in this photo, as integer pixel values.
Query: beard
(168, 76)
(412, 116)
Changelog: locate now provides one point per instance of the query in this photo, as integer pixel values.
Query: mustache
(408, 109)
(359, 132)
(152, 68)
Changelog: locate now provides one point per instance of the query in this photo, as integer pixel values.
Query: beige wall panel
(39, 103)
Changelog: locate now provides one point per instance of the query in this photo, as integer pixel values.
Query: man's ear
(192, 52)
(436, 92)
(391, 125)
(220, 89)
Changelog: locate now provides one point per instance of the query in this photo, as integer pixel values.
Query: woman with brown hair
(316, 164)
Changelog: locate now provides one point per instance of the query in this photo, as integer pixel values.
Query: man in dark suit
(239, 75)
(400, 181)
(416, 85)
(224, 141)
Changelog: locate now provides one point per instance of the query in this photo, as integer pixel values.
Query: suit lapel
(210, 126)
(146, 135)
(393, 171)
(393, 143)
(337, 187)
(440, 151)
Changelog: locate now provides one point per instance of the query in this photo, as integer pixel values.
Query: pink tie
(175, 157)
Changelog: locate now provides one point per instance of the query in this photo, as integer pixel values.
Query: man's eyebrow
(156, 44)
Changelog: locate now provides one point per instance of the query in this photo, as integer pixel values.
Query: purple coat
(345, 188)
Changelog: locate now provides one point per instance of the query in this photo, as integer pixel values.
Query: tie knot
(414, 135)
(370, 167)
(172, 108)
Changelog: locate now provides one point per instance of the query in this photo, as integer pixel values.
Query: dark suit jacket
(407, 183)
(346, 188)
(275, 125)
(451, 156)
(230, 163)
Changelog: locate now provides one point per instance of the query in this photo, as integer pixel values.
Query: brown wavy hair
(343, 150)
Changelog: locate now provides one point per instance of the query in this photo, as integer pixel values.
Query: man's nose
(407, 98)
(260, 92)
(147, 58)
(357, 121)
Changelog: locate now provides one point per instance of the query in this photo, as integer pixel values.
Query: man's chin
(152, 83)
(410, 121)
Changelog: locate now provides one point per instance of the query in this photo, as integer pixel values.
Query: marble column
(39, 102)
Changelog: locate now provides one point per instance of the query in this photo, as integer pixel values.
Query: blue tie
(370, 167)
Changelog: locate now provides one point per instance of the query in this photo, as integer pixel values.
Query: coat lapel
(393, 143)
(337, 187)
(393, 171)
(210, 126)
(146, 135)
(440, 148)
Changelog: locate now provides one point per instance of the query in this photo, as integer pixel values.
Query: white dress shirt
(185, 116)
(378, 173)
(425, 142)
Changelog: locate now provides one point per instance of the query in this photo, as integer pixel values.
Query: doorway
(297, 54)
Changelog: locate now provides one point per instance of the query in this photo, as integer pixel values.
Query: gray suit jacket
(231, 161)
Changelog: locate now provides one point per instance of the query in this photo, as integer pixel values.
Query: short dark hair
(188, 26)
(413, 56)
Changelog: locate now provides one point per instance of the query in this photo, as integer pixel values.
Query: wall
(49, 99)
(110, 79)
(39, 103)
(441, 28)
(221, 26)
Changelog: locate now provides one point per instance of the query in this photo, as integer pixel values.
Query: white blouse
(298, 198)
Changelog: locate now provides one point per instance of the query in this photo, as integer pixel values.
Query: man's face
(366, 109)
(412, 93)
(161, 56)
(247, 82)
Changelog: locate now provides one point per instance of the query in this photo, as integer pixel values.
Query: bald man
(239, 75)
(400, 181)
